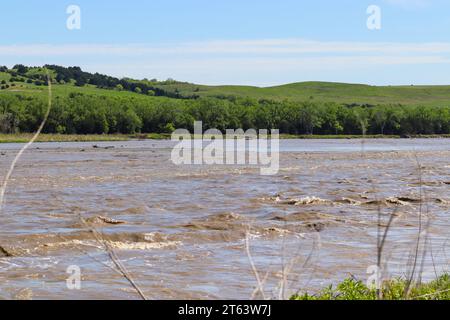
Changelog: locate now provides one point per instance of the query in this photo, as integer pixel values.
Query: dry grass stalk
(260, 287)
(27, 145)
(115, 259)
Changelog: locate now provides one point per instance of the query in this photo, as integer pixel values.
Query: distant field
(63, 90)
(4, 76)
(330, 92)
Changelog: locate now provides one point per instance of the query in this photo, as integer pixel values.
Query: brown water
(180, 230)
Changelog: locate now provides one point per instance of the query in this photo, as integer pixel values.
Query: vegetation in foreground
(352, 289)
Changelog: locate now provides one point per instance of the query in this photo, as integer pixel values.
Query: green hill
(329, 92)
(24, 79)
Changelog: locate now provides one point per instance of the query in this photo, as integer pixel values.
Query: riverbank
(350, 136)
(25, 137)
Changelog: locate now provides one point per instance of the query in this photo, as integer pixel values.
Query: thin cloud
(253, 47)
(257, 62)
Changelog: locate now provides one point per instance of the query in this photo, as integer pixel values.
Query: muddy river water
(187, 231)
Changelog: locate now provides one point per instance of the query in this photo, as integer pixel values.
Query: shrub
(352, 289)
(168, 128)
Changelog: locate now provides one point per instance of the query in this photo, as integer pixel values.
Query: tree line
(80, 113)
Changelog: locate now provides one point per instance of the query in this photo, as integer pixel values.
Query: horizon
(254, 43)
(243, 85)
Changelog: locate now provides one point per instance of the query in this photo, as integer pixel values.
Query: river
(185, 232)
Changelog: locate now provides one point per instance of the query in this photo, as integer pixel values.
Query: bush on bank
(351, 289)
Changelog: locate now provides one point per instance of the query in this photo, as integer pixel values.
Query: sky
(241, 42)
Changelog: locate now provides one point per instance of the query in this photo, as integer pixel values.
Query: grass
(162, 136)
(63, 90)
(355, 136)
(4, 76)
(317, 91)
(351, 289)
(25, 137)
(339, 136)
(328, 92)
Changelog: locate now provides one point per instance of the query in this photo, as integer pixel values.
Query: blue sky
(255, 42)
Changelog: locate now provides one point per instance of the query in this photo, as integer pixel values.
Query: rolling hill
(343, 93)
(328, 92)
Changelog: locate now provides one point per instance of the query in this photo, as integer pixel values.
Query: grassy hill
(303, 91)
(329, 92)
(62, 90)
(4, 76)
